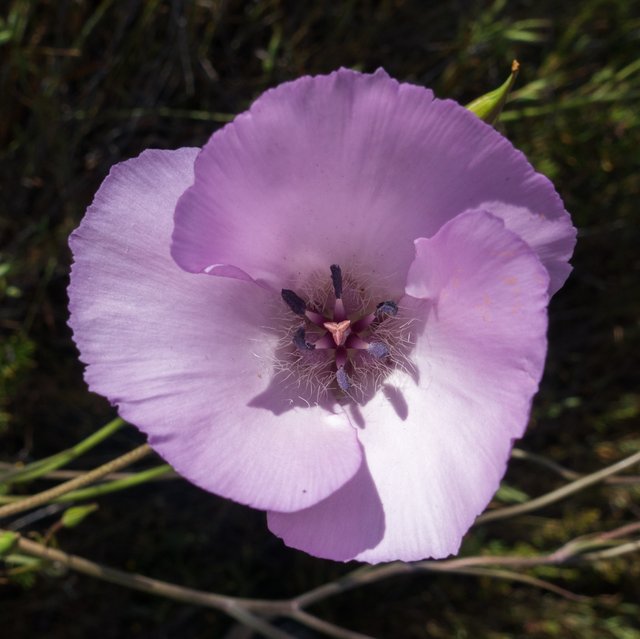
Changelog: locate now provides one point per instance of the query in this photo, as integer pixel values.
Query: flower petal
(350, 168)
(437, 446)
(187, 358)
(341, 527)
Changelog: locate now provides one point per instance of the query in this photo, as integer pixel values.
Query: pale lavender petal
(437, 443)
(188, 358)
(341, 527)
(350, 168)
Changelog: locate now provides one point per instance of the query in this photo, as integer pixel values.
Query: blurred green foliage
(87, 84)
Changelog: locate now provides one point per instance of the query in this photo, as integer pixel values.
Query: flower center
(338, 330)
(352, 338)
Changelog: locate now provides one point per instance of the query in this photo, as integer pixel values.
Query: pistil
(338, 330)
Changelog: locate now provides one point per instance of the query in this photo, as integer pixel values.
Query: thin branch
(354, 579)
(541, 460)
(623, 530)
(256, 623)
(121, 578)
(560, 493)
(235, 607)
(88, 478)
(563, 471)
(522, 578)
(35, 515)
(252, 612)
(570, 551)
(616, 551)
(128, 481)
(245, 610)
(134, 479)
(325, 627)
(70, 474)
(43, 466)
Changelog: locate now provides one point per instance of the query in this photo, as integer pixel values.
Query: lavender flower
(335, 311)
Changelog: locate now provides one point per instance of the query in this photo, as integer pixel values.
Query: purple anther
(300, 341)
(343, 379)
(386, 308)
(336, 279)
(378, 350)
(293, 301)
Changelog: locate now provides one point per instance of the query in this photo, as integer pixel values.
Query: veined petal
(188, 358)
(436, 444)
(350, 168)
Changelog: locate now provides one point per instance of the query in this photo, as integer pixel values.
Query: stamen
(343, 379)
(386, 308)
(299, 307)
(378, 350)
(339, 313)
(300, 341)
(336, 279)
(325, 342)
(355, 341)
(341, 374)
(293, 301)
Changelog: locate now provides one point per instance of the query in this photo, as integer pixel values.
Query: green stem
(118, 484)
(43, 466)
(46, 496)
(133, 479)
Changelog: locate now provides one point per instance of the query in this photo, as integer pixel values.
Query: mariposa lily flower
(335, 311)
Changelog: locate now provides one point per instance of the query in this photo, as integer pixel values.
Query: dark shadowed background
(84, 85)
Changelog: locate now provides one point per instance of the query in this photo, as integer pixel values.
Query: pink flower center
(338, 334)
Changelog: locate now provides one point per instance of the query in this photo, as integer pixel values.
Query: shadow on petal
(355, 415)
(340, 527)
(281, 395)
(397, 400)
